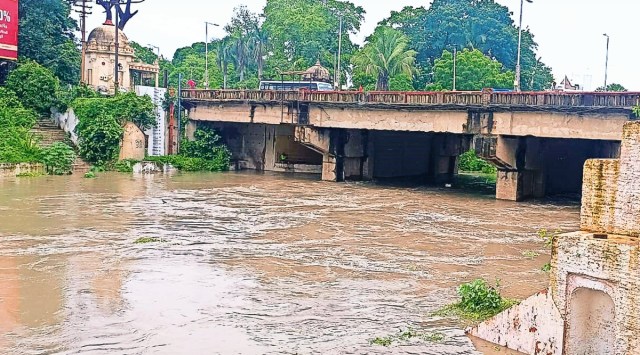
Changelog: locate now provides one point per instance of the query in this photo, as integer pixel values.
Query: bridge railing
(465, 98)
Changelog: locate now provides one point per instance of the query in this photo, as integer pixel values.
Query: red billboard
(9, 29)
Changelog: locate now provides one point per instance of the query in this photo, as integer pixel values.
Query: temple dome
(317, 73)
(106, 34)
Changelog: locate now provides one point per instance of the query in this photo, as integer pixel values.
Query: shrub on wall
(101, 120)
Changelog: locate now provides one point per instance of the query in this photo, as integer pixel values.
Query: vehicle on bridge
(295, 85)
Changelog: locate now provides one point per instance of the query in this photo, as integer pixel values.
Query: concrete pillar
(513, 185)
(329, 168)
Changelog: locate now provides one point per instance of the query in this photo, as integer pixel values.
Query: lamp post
(518, 69)
(338, 74)
(606, 64)
(206, 51)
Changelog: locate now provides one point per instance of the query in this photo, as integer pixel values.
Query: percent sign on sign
(5, 16)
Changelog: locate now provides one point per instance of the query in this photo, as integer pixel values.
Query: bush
(99, 138)
(191, 164)
(478, 302)
(477, 296)
(17, 144)
(206, 152)
(35, 86)
(58, 159)
(469, 161)
(100, 122)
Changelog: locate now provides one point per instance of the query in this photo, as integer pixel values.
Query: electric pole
(83, 8)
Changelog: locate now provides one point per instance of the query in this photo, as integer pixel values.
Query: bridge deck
(560, 101)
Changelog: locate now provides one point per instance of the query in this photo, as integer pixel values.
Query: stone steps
(48, 133)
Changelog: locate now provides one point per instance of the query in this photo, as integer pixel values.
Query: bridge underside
(527, 166)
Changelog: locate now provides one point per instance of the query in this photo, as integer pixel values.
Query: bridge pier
(531, 167)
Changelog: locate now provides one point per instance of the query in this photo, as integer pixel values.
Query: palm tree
(260, 44)
(240, 46)
(224, 58)
(386, 55)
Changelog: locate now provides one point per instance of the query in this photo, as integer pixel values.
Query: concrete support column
(329, 168)
(513, 185)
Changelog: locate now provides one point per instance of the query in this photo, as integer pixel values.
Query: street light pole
(158, 61)
(606, 64)
(455, 60)
(206, 51)
(518, 69)
(339, 55)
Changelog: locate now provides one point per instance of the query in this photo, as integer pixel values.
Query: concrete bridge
(539, 141)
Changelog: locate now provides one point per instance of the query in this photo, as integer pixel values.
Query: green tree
(46, 35)
(35, 85)
(144, 54)
(303, 31)
(482, 25)
(612, 88)
(240, 31)
(475, 71)
(385, 56)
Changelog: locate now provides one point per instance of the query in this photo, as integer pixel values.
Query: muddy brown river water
(252, 263)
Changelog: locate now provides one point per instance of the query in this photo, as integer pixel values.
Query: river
(247, 263)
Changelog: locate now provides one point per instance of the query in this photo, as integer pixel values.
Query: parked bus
(295, 85)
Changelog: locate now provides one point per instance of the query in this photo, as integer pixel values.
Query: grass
(458, 311)
(546, 267)
(147, 240)
(407, 335)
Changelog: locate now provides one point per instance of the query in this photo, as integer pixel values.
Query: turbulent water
(252, 263)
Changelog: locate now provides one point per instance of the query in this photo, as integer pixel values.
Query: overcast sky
(569, 32)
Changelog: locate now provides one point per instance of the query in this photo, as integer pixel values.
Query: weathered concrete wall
(612, 190)
(559, 125)
(538, 124)
(389, 120)
(583, 263)
(12, 170)
(133, 143)
(524, 329)
(240, 113)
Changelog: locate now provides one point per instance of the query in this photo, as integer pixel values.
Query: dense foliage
(58, 159)
(205, 153)
(46, 35)
(477, 296)
(100, 122)
(469, 161)
(474, 71)
(294, 34)
(99, 132)
(17, 144)
(35, 86)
